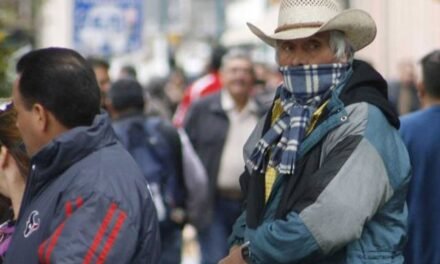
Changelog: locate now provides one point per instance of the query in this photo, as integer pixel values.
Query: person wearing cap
(326, 171)
(424, 150)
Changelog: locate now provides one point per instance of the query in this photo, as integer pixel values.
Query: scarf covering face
(303, 90)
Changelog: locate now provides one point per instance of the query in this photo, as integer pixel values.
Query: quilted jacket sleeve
(94, 229)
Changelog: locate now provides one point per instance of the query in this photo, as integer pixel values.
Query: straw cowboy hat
(304, 18)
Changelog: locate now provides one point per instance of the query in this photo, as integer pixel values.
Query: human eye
(313, 45)
(286, 46)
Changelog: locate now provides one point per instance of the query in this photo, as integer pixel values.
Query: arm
(196, 182)
(237, 236)
(93, 229)
(191, 124)
(235, 241)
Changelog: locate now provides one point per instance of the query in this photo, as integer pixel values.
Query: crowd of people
(318, 160)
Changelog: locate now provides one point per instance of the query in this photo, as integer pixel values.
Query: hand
(234, 257)
(234, 247)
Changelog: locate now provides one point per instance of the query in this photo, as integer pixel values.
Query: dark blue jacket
(155, 145)
(86, 201)
(420, 132)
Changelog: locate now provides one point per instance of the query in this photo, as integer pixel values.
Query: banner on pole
(107, 27)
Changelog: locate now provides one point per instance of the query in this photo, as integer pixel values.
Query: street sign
(107, 27)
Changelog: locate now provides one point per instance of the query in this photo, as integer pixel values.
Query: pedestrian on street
(420, 132)
(326, 171)
(85, 200)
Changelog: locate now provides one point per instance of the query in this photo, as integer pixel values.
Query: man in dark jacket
(420, 132)
(218, 126)
(326, 171)
(86, 200)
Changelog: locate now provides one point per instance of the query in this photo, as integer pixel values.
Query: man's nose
(299, 58)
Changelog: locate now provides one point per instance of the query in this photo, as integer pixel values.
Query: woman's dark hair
(11, 139)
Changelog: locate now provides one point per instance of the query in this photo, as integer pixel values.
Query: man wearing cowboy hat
(326, 171)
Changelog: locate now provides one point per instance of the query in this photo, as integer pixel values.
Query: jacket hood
(70, 147)
(367, 85)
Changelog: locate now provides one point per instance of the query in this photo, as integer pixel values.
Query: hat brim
(358, 26)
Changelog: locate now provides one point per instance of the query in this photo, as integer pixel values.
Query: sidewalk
(191, 250)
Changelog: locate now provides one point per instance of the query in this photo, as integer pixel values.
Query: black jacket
(207, 125)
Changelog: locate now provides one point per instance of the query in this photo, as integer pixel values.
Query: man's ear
(40, 117)
(421, 92)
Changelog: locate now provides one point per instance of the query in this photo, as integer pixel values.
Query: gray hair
(340, 46)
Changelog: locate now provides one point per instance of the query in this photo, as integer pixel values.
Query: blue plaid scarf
(303, 90)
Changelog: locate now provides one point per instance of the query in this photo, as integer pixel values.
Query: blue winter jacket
(420, 132)
(345, 202)
(86, 201)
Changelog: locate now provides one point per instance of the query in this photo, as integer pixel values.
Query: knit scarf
(304, 89)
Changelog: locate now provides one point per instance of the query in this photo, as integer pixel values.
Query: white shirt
(241, 125)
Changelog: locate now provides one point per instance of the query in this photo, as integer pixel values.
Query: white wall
(237, 14)
(56, 24)
(407, 29)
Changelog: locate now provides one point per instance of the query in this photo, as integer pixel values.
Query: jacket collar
(216, 105)
(367, 85)
(228, 103)
(70, 147)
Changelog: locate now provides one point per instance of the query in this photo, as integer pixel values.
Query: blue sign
(107, 27)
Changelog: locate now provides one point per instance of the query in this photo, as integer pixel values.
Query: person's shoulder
(161, 126)
(213, 97)
(202, 83)
(208, 101)
(365, 119)
(414, 118)
(108, 170)
(109, 162)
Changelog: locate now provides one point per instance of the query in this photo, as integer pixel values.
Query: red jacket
(203, 86)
